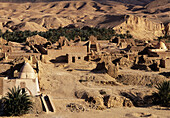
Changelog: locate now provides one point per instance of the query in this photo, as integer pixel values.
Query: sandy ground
(117, 113)
(110, 113)
(60, 81)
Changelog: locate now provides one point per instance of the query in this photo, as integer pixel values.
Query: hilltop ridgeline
(136, 2)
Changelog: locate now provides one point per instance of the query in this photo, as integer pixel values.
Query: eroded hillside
(42, 16)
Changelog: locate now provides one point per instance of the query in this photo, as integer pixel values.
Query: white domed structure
(27, 72)
(160, 47)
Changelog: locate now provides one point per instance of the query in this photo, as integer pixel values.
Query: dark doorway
(23, 90)
(73, 59)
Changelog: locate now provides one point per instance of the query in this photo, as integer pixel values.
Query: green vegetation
(70, 33)
(162, 97)
(16, 102)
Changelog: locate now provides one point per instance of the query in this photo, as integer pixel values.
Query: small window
(79, 57)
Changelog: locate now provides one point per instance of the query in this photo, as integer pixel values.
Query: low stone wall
(140, 79)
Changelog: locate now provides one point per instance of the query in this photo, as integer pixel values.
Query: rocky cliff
(44, 16)
(141, 28)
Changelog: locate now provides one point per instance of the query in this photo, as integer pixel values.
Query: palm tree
(16, 102)
(163, 95)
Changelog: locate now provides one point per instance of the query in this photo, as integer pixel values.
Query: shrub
(162, 97)
(16, 102)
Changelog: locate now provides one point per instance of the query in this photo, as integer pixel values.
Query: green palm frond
(162, 97)
(16, 102)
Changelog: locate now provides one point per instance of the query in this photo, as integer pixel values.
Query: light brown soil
(61, 81)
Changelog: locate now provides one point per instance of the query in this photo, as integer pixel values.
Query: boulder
(92, 97)
(117, 101)
(112, 70)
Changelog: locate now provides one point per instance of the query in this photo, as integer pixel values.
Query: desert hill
(137, 2)
(158, 6)
(42, 16)
(157, 3)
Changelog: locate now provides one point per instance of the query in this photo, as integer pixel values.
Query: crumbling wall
(106, 66)
(75, 49)
(6, 48)
(165, 63)
(67, 53)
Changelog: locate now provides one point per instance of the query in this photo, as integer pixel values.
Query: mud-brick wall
(8, 84)
(6, 49)
(75, 49)
(52, 53)
(1, 86)
(165, 63)
(164, 54)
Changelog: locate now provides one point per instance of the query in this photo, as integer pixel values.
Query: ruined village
(85, 58)
(100, 73)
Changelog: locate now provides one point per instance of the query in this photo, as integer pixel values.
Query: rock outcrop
(102, 100)
(117, 101)
(142, 98)
(93, 98)
(140, 28)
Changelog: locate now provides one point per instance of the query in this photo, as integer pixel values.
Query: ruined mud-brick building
(67, 51)
(27, 81)
(14, 50)
(92, 44)
(68, 54)
(153, 57)
(12, 74)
